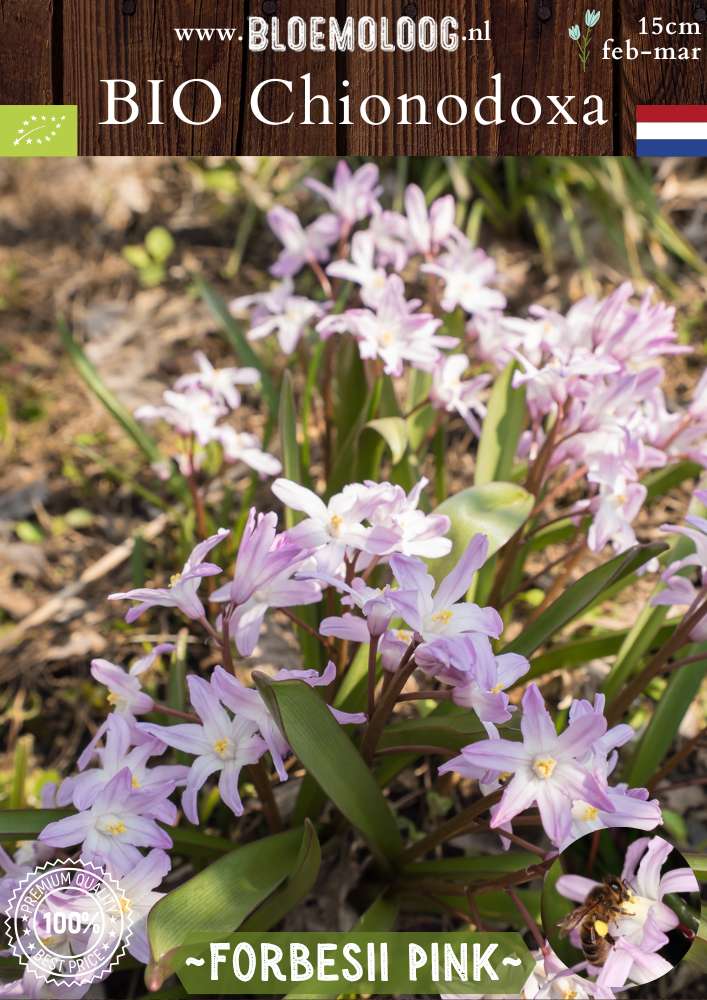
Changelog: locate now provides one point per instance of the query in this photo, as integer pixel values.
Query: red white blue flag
(671, 130)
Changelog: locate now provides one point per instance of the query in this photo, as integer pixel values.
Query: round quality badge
(68, 922)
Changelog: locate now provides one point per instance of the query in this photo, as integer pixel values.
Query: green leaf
(496, 509)
(159, 243)
(698, 863)
(669, 713)
(218, 899)
(650, 620)
(236, 338)
(99, 389)
(393, 430)
(471, 869)
(294, 889)
(451, 732)
(580, 595)
(288, 441)
(331, 758)
(136, 255)
(660, 481)
(578, 651)
(503, 423)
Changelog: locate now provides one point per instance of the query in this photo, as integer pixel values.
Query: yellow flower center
(544, 766)
(589, 813)
(570, 994)
(115, 829)
(335, 523)
(505, 776)
(497, 689)
(112, 698)
(134, 782)
(174, 579)
(221, 746)
(403, 635)
(387, 337)
(442, 616)
(125, 904)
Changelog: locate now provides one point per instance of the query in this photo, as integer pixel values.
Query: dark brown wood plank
(533, 51)
(26, 52)
(646, 80)
(276, 102)
(529, 46)
(102, 41)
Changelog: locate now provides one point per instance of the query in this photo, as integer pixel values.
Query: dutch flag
(671, 130)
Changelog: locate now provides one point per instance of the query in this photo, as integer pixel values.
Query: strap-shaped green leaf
(219, 898)
(501, 430)
(580, 595)
(103, 394)
(497, 510)
(333, 761)
(669, 713)
(293, 889)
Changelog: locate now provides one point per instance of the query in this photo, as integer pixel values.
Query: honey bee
(603, 904)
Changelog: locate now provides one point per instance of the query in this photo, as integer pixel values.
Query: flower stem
(452, 827)
(656, 664)
(528, 918)
(260, 779)
(386, 703)
(176, 713)
(372, 656)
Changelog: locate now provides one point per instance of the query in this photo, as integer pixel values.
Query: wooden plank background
(57, 51)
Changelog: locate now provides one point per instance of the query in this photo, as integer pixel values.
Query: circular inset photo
(620, 909)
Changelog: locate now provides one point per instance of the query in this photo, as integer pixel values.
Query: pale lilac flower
(281, 312)
(247, 703)
(353, 195)
(362, 269)
(640, 931)
(125, 692)
(428, 228)
(375, 604)
(444, 612)
(452, 393)
(219, 382)
(181, 593)
(338, 524)
(138, 885)
(468, 274)
(395, 331)
(416, 533)
(301, 246)
(83, 789)
(390, 233)
(114, 827)
(264, 577)
(262, 556)
(194, 413)
(547, 768)
(240, 446)
(393, 646)
(678, 589)
(478, 677)
(219, 743)
(614, 514)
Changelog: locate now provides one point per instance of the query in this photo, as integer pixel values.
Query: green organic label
(38, 130)
(325, 965)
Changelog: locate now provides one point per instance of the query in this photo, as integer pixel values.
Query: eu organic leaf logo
(591, 19)
(38, 130)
